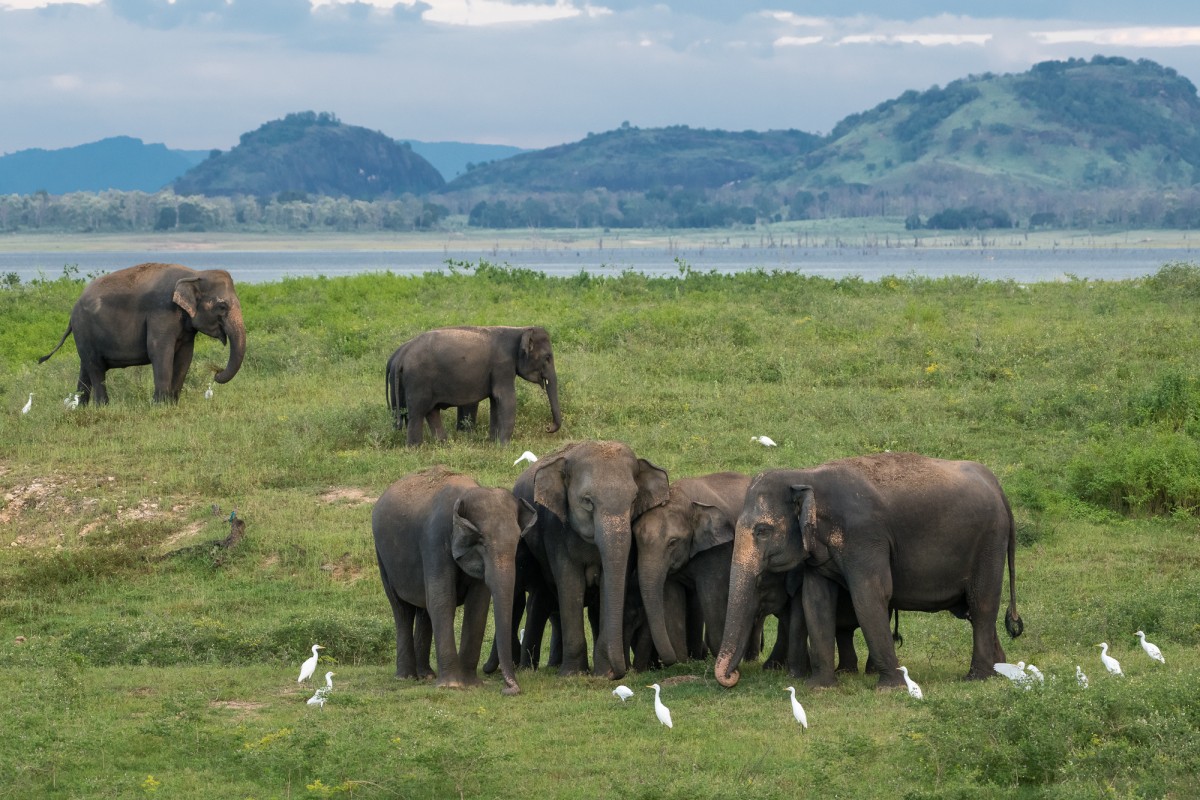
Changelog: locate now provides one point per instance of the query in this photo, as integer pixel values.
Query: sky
(196, 74)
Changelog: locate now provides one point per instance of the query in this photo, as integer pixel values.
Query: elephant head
(535, 363)
(213, 308)
(487, 525)
(596, 490)
(776, 523)
(699, 515)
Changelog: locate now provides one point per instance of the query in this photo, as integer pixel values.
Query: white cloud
(798, 41)
(481, 13)
(1124, 37)
(30, 5)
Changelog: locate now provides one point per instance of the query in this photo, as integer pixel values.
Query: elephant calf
(150, 314)
(442, 541)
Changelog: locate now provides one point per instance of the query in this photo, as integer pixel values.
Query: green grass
(175, 677)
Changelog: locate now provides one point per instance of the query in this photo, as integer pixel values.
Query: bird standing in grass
(1014, 672)
(664, 713)
(913, 688)
(319, 697)
(526, 456)
(71, 401)
(765, 441)
(310, 665)
(208, 393)
(1151, 648)
(28, 404)
(1036, 673)
(1080, 678)
(623, 692)
(797, 709)
(1110, 663)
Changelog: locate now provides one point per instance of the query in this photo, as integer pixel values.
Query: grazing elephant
(459, 367)
(150, 314)
(587, 495)
(899, 531)
(442, 541)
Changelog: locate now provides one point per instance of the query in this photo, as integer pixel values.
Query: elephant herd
(663, 571)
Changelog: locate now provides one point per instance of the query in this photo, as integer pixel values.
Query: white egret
(318, 698)
(1080, 678)
(71, 402)
(623, 692)
(797, 709)
(664, 713)
(208, 392)
(310, 665)
(1036, 673)
(1110, 663)
(28, 404)
(1151, 648)
(765, 441)
(526, 456)
(1014, 672)
(913, 688)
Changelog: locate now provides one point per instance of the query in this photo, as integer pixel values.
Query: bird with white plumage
(1111, 664)
(526, 456)
(1014, 672)
(765, 441)
(1036, 673)
(661, 711)
(1151, 648)
(310, 665)
(208, 393)
(322, 693)
(797, 709)
(1080, 678)
(623, 692)
(913, 688)
(28, 404)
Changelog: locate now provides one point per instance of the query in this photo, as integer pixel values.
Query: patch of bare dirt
(343, 570)
(348, 495)
(678, 679)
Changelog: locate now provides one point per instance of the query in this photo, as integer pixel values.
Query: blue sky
(195, 74)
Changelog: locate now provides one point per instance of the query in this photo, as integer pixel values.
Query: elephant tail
(46, 357)
(395, 391)
(896, 637)
(1012, 620)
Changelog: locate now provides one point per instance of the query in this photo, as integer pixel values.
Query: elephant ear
(550, 486)
(806, 515)
(526, 516)
(710, 527)
(187, 294)
(466, 543)
(653, 487)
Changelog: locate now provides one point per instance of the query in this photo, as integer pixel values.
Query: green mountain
(310, 153)
(121, 162)
(639, 160)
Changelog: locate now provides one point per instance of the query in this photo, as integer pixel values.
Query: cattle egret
(664, 713)
(797, 709)
(913, 688)
(526, 456)
(1036, 673)
(623, 692)
(765, 441)
(1151, 648)
(1014, 672)
(318, 698)
(71, 401)
(1110, 663)
(28, 404)
(208, 392)
(310, 665)
(1080, 678)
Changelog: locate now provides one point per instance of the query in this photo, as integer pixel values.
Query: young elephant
(442, 541)
(459, 367)
(150, 314)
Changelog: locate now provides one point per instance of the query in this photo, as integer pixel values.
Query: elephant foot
(773, 665)
(889, 681)
(977, 676)
(852, 669)
(511, 689)
(821, 682)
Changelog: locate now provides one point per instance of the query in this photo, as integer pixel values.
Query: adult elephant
(587, 495)
(150, 314)
(442, 541)
(898, 530)
(459, 367)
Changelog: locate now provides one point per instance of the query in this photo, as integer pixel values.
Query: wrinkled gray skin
(587, 495)
(442, 541)
(459, 367)
(150, 314)
(898, 530)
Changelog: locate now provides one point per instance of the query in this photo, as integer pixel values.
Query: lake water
(871, 264)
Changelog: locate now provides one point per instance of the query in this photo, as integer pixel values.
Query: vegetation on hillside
(140, 664)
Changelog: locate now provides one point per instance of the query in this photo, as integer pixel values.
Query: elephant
(897, 530)
(441, 541)
(459, 367)
(150, 314)
(587, 495)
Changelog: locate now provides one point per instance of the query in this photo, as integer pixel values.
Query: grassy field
(137, 663)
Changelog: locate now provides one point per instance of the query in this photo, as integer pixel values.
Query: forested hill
(120, 162)
(310, 153)
(633, 159)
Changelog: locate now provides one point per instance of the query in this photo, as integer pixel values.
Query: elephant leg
(819, 602)
(502, 414)
(403, 613)
(570, 609)
(441, 614)
(84, 387)
(871, 596)
(754, 646)
(799, 664)
(493, 660)
(779, 653)
(162, 363)
(423, 644)
(182, 363)
(847, 657)
(473, 624)
(434, 419)
(985, 643)
(696, 649)
(91, 381)
(538, 611)
(417, 409)
(467, 415)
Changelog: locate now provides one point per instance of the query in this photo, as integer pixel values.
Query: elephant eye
(762, 530)
(586, 503)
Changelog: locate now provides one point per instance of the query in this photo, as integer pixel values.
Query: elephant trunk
(550, 383)
(614, 559)
(739, 614)
(651, 580)
(501, 583)
(235, 330)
